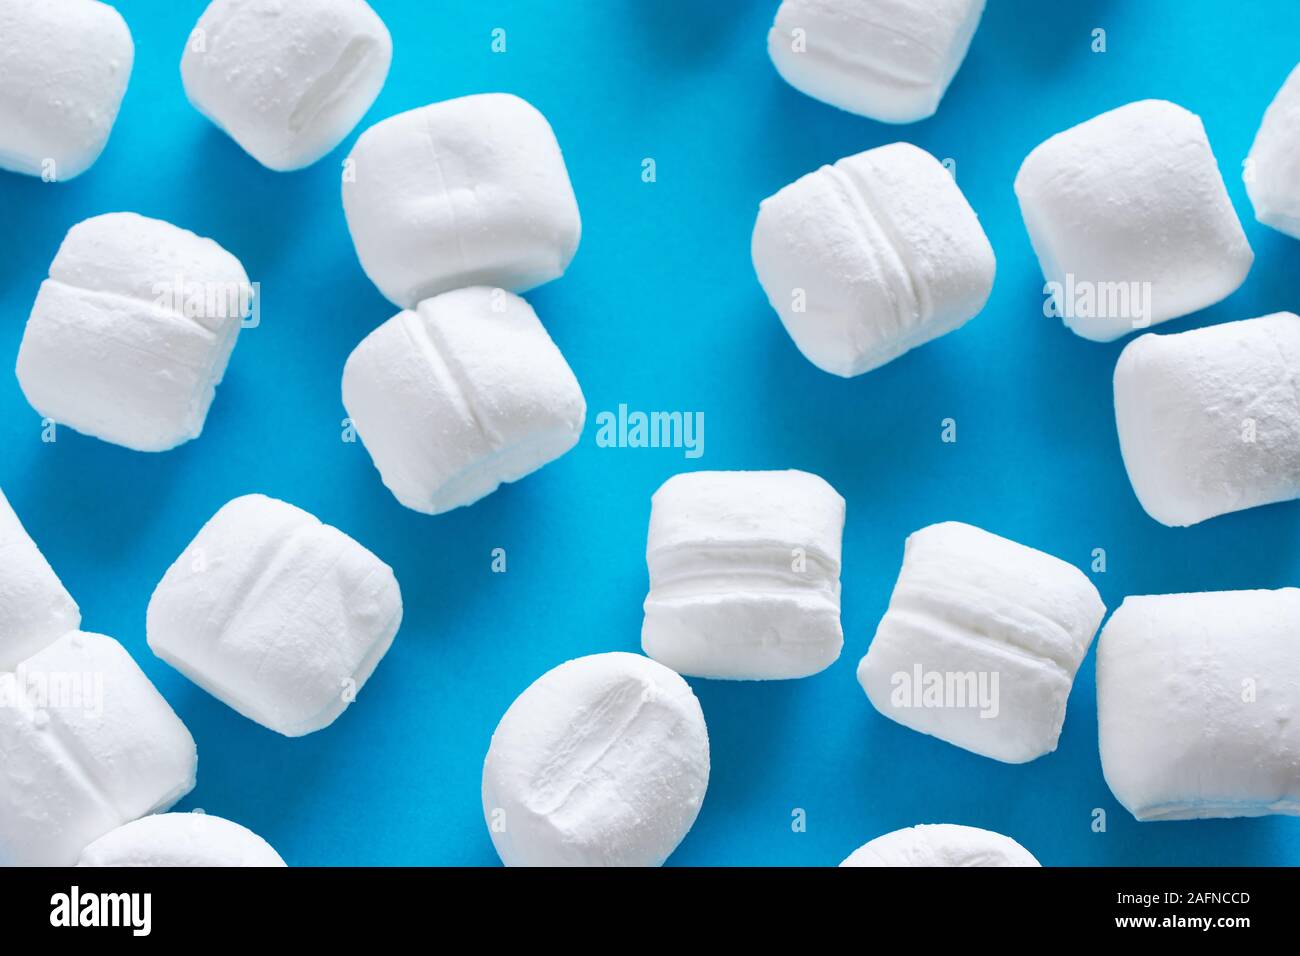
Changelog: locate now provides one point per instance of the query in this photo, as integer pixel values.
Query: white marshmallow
(275, 614)
(460, 395)
(287, 81)
(180, 839)
(871, 257)
(131, 333)
(88, 744)
(35, 609)
(471, 191)
(744, 575)
(1131, 221)
(1209, 420)
(1273, 168)
(1198, 704)
(941, 844)
(891, 60)
(66, 67)
(981, 642)
(602, 761)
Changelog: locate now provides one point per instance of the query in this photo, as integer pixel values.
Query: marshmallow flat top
(1209, 420)
(88, 744)
(460, 395)
(870, 257)
(1198, 704)
(132, 331)
(286, 81)
(1273, 177)
(941, 844)
(744, 575)
(1132, 196)
(276, 614)
(891, 60)
(602, 761)
(971, 607)
(66, 67)
(35, 608)
(180, 839)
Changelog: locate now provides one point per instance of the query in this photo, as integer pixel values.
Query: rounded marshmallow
(941, 844)
(602, 761)
(1273, 168)
(275, 614)
(180, 839)
(35, 608)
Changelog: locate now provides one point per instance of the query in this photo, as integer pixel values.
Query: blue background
(660, 310)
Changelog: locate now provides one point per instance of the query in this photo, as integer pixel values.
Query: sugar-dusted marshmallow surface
(35, 608)
(870, 257)
(941, 844)
(286, 80)
(276, 614)
(1131, 221)
(1209, 420)
(602, 761)
(88, 745)
(1272, 171)
(470, 191)
(744, 575)
(1198, 704)
(64, 67)
(131, 333)
(180, 839)
(981, 642)
(459, 395)
(891, 60)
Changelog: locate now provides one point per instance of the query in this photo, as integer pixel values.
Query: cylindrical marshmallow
(744, 575)
(35, 608)
(981, 642)
(602, 761)
(1198, 704)
(180, 839)
(941, 844)
(1272, 170)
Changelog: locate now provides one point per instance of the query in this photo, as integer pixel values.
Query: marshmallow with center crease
(1209, 420)
(131, 333)
(467, 192)
(1131, 221)
(277, 615)
(890, 60)
(602, 761)
(88, 745)
(180, 839)
(870, 257)
(1272, 170)
(286, 80)
(459, 395)
(35, 608)
(65, 67)
(941, 844)
(744, 575)
(981, 642)
(1198, 704)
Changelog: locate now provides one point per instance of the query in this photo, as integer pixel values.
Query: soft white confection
(88, 744)
(35, 609)
(1273, 170)
(602, 761)
(66, 64)
(277, 615)
(1131, 221)
(131, 333)
(941, 844)
(471, 191)
(1198, 704)
(744, 575)
(286, 80)
(870, 257)
(1209, 420)
(981, 642)
(459, 395)
(891, 60)
(180, 839)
